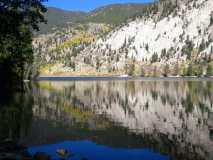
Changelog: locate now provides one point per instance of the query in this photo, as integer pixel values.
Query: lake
(114, 119)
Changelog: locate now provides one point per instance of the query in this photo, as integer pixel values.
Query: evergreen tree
(198, 71)
(131, 70)
(147, 47)
(98, 64)
(209, 71)
(211, 19)
(188, 48)
(154, 58)
(166, 70)
(202, 45)
(190, 70)
(163, 53)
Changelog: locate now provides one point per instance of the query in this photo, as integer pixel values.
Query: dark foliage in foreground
(18, 19)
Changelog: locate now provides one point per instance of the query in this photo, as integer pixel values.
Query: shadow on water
(15, 119)
(113, 119)
(15, 114)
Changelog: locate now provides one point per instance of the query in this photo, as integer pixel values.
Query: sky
(87, 5)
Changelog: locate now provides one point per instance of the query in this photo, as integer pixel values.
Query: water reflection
(174, 118)
(96, 152)
(15, 116)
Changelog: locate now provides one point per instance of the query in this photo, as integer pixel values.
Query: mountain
(177, 39)
(112, 14)
(116, 13)
(170, 38)
(59, 18)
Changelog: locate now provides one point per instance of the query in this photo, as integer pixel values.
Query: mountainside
(116, 13)
(58, 49)
(170, 38)
(57, 18)
(178, 34)
(112, 14)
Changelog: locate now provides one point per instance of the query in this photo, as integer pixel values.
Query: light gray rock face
(169, 30)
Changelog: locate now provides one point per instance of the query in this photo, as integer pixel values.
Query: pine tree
(202, 45)
(147, 47)
(98, 64)
(131, 69)
(154, 58)
(198, 70)
(190, 70)
(211, 19)
(166, 70)
(209, 71)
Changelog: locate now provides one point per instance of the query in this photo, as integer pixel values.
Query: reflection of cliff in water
(171, 117)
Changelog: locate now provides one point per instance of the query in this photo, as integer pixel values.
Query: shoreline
(130, 78)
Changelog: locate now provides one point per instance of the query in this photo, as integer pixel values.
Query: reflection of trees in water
(159, 115)
(64, 108)
(16, 116)
(125, 94)
(191, 93)
(169, 115)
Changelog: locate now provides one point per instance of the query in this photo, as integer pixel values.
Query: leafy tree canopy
(18, 19)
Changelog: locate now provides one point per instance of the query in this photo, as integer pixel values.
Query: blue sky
(87, 5)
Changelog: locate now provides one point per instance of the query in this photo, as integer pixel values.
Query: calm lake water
(114, 120)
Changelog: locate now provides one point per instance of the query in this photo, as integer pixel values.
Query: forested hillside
(57, 18)
(115, 14)
(165, 38)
